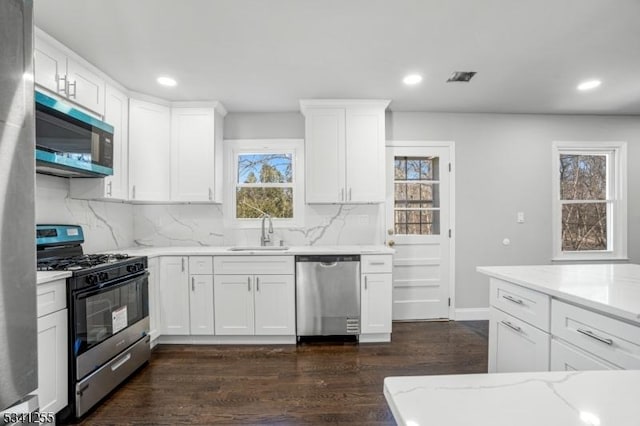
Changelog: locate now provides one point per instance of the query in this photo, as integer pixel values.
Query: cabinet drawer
(200, 265)
(51, 297)
(376, 264)
(516, 346)
(277, 265)
(613, 340)
(566, 357)
(527, 305)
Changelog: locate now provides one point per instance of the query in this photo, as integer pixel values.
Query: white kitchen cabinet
(566, 357)
(344, 150)
(116, 186)
(52, 345)
(154, 299)
(376, 303)
(66, 75)
(149, 151)
(234, 306)
(196, 155)
(174, 296)
(201, 305)
(274, 305)
(516, 346)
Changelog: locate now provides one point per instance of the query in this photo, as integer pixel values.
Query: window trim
(617, 226)
(235, 147)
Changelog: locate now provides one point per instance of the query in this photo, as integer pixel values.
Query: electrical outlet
(520, 218)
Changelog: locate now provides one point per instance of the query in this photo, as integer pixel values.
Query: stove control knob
(140, 266)
(131, 268)
(103, 276)
(91, 279)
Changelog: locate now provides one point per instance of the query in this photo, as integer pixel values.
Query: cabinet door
(515, 346)
(154, 298)
(85, 87)
(201, 304)
(376, 302)
(52, 361)
(324, 153)
(50, 65)
(233, 301)
(192, 154)
(116, 113)
(174, 296)
(566, 357)
(365, 165)
(275, 305)
(149, 155)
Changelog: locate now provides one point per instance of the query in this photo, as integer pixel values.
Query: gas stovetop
(79, 262)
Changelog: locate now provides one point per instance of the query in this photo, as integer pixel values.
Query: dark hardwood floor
(311, 383)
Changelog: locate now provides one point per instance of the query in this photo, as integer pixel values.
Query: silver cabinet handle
(511, 326)
(376, 263)
(210, 194)
(349, 194)
(248, 283)
(513, 299)
(133, 192)
(591, 334)
(257, 283)
(61, 79)
(342, 194)
(193, 283)
(365, 282)
(69, 84)
(182, 264)
(109, 188)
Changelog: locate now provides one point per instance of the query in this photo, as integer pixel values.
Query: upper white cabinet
(61, 72)
(196, 154)
(114, 187)
(344, 149)
(149, 151)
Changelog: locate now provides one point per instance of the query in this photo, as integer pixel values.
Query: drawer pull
(513, 299)
(511, 326)
(591, 334)
(376, 263)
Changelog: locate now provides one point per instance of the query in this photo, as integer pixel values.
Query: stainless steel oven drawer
(104, 380)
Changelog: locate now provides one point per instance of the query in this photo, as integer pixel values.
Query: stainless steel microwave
(69, 142)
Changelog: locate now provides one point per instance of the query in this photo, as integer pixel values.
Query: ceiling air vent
(461, 76)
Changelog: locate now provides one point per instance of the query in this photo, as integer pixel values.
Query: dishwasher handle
(328, 260)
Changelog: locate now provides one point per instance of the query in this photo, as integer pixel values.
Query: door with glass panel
(418, 222)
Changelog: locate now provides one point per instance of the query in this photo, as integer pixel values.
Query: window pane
(400, 168)
(251, 202)
(424, 195)
(584, 227)
(416, 168)
(400, 222)
(583, 177)
(265, 168)
(417, 222)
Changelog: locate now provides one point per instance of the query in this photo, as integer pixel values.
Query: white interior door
(418, 222)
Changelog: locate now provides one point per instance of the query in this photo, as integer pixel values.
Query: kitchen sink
(259, 248)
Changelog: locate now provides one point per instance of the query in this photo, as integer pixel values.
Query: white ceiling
(265, 55)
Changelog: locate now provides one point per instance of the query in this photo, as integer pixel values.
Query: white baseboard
(472, 314)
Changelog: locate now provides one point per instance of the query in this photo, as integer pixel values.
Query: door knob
(391, 243)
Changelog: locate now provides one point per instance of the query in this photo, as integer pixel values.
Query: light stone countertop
(609, 288)
(48, 276)
(573, 398)
(224, 251)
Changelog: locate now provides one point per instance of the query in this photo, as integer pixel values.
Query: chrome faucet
(264, 239)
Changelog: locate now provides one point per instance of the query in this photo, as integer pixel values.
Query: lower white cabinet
(52, 361)
(566, 357)
(174, 295)
(376, 303)
(516, 346)
(201, 305)
(254, 305)
(154, 299)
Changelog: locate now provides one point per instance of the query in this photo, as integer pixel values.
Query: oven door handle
(88, 292)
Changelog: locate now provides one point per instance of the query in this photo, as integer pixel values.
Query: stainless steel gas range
(108, 299)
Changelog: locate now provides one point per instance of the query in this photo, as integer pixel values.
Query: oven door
(107, 320)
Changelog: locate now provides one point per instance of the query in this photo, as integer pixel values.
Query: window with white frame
(589, 208)
(265, 178)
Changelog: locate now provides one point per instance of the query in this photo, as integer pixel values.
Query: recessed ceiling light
(166, 81)
(589, 84)
(412, 79)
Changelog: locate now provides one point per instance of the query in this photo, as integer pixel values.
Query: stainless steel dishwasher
(327, 295)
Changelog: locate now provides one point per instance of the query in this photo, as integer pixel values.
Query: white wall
(106, 226)
(503, 165)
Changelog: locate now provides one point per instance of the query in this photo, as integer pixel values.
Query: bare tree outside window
(583, 194)
(416, 196)
(264, 184)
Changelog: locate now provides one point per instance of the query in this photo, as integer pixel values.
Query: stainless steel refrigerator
(18, 333)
